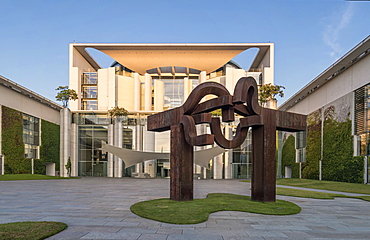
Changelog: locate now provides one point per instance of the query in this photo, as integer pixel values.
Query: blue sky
(309, 35)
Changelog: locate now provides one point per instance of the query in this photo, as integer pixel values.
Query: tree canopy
(268, 92)
(65, 94)
(117, 111)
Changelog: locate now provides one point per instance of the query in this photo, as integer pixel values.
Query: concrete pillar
(117, 143)
(202, 77)
(65, 139)
(148, 93)
(217, 167)
(74, 150)
(137, 91)
(228, 156)
(187, 88)
(158, 95)
(139, 143)
(1, 132)
(149, 145)
(110, 155)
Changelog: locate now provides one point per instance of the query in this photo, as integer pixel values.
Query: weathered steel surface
(181, 164)
(264, 123)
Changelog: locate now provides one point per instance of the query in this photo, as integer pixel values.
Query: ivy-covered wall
(50, 143)
(288, 157)
(310, 168)
(338, 163)
(12, 142)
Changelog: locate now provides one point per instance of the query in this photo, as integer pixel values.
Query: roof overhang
(28, 93)
(354, 55)
(201, 56)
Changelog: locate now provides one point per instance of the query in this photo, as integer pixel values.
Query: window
(89, 91)
(90, 78)
(31, 136)
(90, 105)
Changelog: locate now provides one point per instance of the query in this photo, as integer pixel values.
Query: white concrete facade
(162, 80)
(30, 104)
(337, 87)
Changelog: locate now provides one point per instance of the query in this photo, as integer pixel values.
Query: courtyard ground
(99, 208)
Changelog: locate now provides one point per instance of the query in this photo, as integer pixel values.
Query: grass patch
(30, 230)
(306, 193)
(198, 210)
(14, 177)
(326, 185)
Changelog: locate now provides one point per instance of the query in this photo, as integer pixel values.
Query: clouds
(334, 30)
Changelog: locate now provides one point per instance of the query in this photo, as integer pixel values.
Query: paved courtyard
(99, 208)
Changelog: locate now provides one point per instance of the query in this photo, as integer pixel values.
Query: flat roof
(201, 56)
(28, 93)
(351, 57)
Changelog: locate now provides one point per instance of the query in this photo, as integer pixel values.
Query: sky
(309, 35)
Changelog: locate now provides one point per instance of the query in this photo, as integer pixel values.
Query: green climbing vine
(288, 157)
(12, 142)
(50, 143)
(338, 163)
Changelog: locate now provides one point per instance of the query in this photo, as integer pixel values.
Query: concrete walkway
(99, 208)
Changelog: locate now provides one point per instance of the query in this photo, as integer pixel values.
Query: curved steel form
(264, 123)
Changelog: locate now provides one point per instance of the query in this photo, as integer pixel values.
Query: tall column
(1, 157)
(1, 122)
(139, 143)
(202, 77)
(228, 155)
(148, 93)
(110, 155)
(74, 150)
(149, 145)
(187, 88)
(117, 143)
(65, 139)
(217, 167)
(137, 92)
(158, 95)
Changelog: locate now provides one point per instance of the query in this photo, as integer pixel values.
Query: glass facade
(31, 136)
(242, 159)
(92, 160)
(93, 133)
(362, 118)
(89, 91)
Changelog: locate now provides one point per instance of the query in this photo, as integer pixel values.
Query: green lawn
(325, 185)
(198, 210)
(30, 230)
(12, 177)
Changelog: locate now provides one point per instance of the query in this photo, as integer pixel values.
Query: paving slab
(99, 208)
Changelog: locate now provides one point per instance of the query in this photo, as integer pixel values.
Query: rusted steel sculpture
(264, 122)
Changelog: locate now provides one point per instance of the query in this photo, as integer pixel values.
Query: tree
(267, 92)
(117, 111)
(65, 94)
(69, 167)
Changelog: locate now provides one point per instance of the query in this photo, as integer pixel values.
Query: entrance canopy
(131, 157)
(201, 56)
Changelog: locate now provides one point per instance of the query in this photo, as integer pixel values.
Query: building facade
(29, 129)
(146, 79)
(337, 104)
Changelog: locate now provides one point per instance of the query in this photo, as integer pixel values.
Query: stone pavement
(99, 208)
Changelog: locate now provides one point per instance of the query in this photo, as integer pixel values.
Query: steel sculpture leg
(181, 163)
(264, 163)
